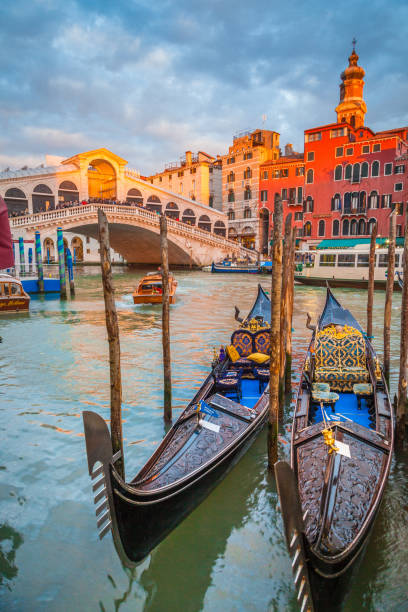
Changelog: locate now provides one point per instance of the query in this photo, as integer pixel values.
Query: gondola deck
(342, 441)
(201, 447)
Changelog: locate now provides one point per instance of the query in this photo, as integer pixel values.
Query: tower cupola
(352, 108)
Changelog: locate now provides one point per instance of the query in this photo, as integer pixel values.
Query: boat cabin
(13, 298)
(150, 289)
(346, 267)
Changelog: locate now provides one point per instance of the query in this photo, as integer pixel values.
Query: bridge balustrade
(135, 212)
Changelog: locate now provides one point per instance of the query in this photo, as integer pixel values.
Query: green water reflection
(229, 554)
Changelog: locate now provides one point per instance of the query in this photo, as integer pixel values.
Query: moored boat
(205, 442)
(347, 267)
(150, 290)
(231, 267)
(341, 448)
(13, 298)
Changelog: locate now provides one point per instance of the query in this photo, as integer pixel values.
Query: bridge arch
(204, 223)
(16, 201)
(134, 196)
(219, 228)
(189, 217)
(154, 204)
(172, 211)
(43, 198)
(101, 180)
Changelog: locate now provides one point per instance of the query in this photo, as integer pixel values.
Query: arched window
(338, 173)
(347, 202)
(68, 186)
(361, 227)
(353, 120)
(247, 193)
(16, 201)
(308, 204)
(370, 225)
(309, 176)
(307, 229)
(15, 193)
(231, 196)
(375, 169)
(247, 213)
(231, 177)
(42, 189)
(134, 195)
(336, 202)
(346, 226)
(347, 172)
(219, 228)
(153, 204)
(189, 217)
(356, 173)
(373, 200)
(362, 201)
(172, 211)
(204, 223)
(354, 200)
(321, 227)
(336, 227)
(247, 173)
(231, 215)
(364, 170)
(353, 228)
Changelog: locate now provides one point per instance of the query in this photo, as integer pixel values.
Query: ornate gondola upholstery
(262, 342)
(242, 341)
(340, 358)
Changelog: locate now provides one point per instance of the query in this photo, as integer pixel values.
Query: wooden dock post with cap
(370, 292)
(167, 410)
(402, 402)
(112, 328)
(276, 289)
(388, 297)
(284, 317)
(291, 297)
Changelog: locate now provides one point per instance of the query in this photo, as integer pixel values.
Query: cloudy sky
(150, 79)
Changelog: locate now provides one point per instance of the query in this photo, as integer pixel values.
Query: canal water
(229, 555)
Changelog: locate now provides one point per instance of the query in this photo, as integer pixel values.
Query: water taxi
(150, 290)
(13, 298)
(347, 267)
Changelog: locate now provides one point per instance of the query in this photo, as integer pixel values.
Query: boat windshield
(151, 286)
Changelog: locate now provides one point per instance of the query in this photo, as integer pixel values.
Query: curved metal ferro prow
(99, 450)
(294, 533)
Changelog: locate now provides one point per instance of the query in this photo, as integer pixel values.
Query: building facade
(197, 177)
(240, 182)
(352, 176)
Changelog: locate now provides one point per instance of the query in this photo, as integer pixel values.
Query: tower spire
(352, 108)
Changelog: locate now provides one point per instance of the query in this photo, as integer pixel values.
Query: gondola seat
(262, 342)
(340, 358)
(262, 374)
(241, 340)
(229, 382)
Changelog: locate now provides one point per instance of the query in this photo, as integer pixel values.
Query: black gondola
(198, 451)
(341, 448)
(400, 280)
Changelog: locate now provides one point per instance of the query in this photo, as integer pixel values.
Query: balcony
(354, 210)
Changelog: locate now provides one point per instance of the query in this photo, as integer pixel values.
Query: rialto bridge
(56, 195)
(134, 234)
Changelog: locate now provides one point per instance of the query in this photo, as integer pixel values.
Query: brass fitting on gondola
(329, 439)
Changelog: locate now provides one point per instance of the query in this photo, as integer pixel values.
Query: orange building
(353, 176)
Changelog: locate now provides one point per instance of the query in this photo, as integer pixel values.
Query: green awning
(346, 243)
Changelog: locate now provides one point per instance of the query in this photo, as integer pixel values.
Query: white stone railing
(83, 211)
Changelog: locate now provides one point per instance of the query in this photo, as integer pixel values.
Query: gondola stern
(99, 450)
(294, 534)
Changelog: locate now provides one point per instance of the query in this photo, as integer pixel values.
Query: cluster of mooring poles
(282, 295)
(39, 264)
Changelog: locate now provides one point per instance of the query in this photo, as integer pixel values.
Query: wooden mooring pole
(167, 413)
(284, 325)
(291, 298)
(276, 290)
(388, 298)
(112, 328)
(402, 404)
(370, 292)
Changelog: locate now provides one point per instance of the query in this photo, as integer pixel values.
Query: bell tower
(352, 108)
